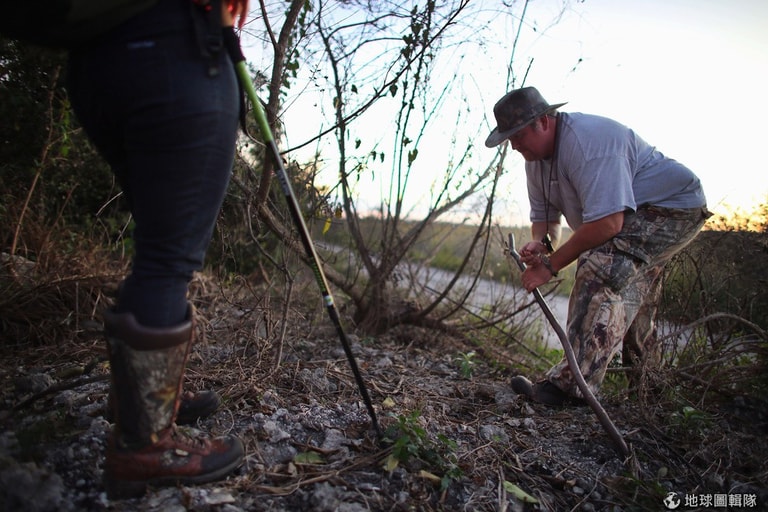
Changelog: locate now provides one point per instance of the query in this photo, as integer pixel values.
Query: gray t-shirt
(603, 167)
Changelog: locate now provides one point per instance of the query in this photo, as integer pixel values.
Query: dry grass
(696, 424)
(46, 303)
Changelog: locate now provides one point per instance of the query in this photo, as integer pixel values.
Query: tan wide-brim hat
(516, 110)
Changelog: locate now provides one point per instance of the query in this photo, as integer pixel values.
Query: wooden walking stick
(589, 397)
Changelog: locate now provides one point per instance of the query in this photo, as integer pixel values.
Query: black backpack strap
(235, 52)
(207, 18)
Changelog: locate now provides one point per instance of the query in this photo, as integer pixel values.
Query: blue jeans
(168, 129)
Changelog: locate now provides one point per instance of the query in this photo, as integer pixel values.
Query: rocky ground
(454, 436)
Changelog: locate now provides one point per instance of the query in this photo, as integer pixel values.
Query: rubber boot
(146, 448)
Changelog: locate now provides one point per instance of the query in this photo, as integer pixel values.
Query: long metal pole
(573, 364)
(236, 54)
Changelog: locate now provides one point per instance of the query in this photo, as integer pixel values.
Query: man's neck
(551, 136)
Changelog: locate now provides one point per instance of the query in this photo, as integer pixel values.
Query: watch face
(547, 241)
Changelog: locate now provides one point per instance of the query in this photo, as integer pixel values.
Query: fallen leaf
(429, 476)
(519, 493)
(308, 458)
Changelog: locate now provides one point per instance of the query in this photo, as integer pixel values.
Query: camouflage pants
(616, 292)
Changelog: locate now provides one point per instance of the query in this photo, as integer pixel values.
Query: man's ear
(547, 122)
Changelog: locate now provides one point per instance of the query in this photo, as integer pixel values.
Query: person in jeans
(160, 101)
(631, 210)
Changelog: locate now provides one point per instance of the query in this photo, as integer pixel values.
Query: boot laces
(191, 438)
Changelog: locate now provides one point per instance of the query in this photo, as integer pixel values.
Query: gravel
(452, 441)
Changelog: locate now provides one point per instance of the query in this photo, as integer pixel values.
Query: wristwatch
(545, 261)
(547, 242)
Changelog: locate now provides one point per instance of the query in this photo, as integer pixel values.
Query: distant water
(433, 281)
(486, 292)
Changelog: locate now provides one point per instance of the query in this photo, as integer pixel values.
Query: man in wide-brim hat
(630, 208)
(515, 111)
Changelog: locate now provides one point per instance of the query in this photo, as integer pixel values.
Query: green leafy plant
(467, 362)
(691, 426)
(411, 443)
(690, 418)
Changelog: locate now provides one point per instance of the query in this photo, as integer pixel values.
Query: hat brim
(496, 137)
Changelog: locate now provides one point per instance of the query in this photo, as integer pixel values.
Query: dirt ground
(453, 436)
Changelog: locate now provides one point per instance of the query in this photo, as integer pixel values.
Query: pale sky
(689, 76)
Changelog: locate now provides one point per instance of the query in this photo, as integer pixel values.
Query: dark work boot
(146, 447)
(543, 392)
(196, 405)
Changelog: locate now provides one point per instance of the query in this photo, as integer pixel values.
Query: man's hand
(588, 236)
(530, 252)
(535, 274)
